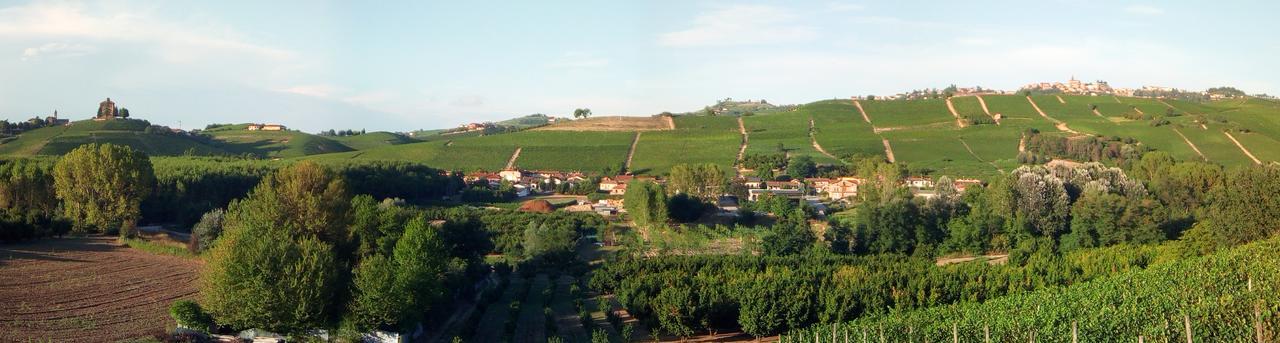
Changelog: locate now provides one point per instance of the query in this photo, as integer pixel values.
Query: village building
(512, 175)
(756, 194)
(780, 185)
(842, 189)
(53, 120)
(107, 110)
(919, 182)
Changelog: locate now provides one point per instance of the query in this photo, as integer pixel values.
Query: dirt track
(88, 290)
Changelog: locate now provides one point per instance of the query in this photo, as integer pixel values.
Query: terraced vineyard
(923, 134)
(695, 140)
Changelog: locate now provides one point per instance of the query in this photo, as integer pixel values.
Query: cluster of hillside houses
(813, 190)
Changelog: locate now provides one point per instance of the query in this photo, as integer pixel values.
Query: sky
(402, 66)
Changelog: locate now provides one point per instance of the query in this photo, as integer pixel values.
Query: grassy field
(373, 140)
(898, 113)
(695, 140)
(58, 140)
(789, 130)
(554, 150)
(1016, 112)
(275, 144)
(840, 129)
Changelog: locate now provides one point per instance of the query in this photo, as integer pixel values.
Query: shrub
(189, 315)
(207, 230)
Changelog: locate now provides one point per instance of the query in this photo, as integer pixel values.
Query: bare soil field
(88, 290)
(611, 124)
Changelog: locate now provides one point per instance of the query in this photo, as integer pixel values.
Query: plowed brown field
(88, 290)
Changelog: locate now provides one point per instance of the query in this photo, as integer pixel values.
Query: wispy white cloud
(579, 60)
(174, 41)
(57, 50)
(742, 25)
(1144, 10)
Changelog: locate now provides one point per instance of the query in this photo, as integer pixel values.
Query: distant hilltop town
(1072, 86)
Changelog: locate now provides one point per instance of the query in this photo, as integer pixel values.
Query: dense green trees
(801, 166)
(703, 181)
(765, 295)
(30, 208)
(646, 203)
(101, 186)
(282, 261)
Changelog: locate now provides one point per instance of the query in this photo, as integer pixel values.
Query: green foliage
(207, 230)
(801, 167)
(684, 208)
(1244, 208)
(1155, 304)
(555, 242)
(646, 202)
(27, 195)
(703, 181)
(790, 235)
(101, 186)
(260, 276)
(378, 299)
(189, 314)
(770, 294)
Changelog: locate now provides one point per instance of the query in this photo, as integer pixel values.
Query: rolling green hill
(921, 133)
(275, 144)
(58, 140)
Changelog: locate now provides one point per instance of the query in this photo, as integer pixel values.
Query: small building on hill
(53, 120)
(106, 110)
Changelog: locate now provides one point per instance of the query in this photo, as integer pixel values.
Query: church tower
(106, 110)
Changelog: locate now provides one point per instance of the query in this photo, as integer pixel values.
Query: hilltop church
(107, 110)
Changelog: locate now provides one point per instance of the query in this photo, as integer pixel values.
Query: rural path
(742, 148)
(888, 150)
(1113, 97)
(1162, 102)
(531, 323)
(858, 104)
(1139, 111)
(568, 324)
(1056, 123)
(1060, 99)
(1246, 151)
(1192, 145)
(813, 138)
(991, 259)
(1096, 113)
(511, 163)
(671, 122)
(952, 108)
(632, 153)
(975, 156)
(1022, 143)
(986, 110)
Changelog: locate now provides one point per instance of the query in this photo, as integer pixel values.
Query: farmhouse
(755, 194)
(844, 188)
(781, 185)
(919, 182)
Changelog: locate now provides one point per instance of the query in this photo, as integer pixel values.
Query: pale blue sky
(408, 65)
